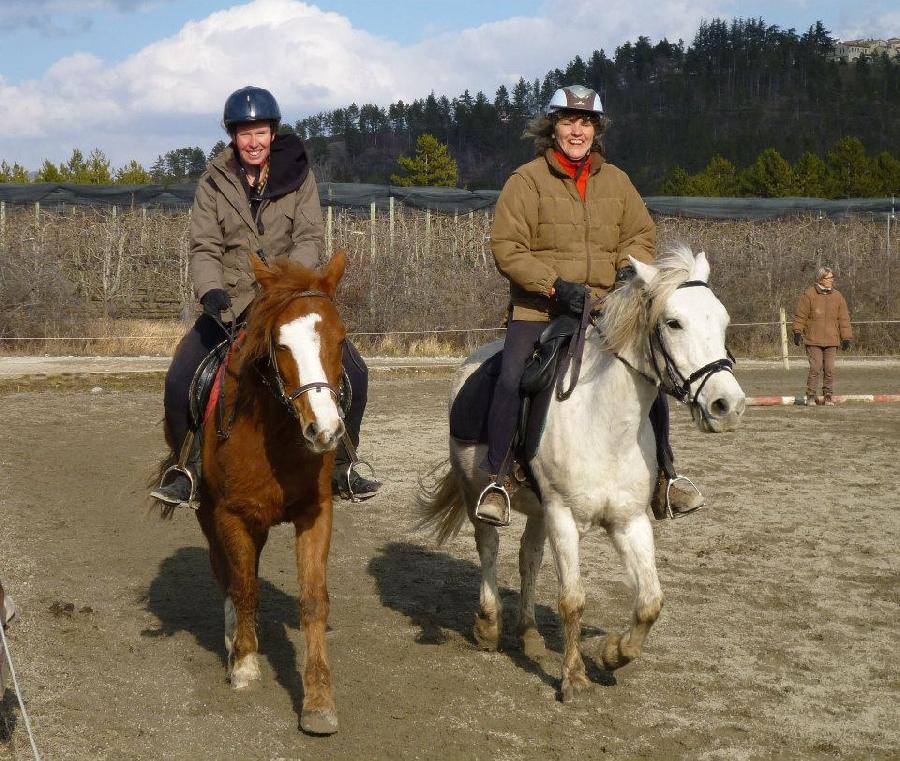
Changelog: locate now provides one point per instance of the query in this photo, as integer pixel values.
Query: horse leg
(241, 551)
(219, 564)
(531, 553)
(488, 622)
(313, 540)
(564, 541)
(634, 541)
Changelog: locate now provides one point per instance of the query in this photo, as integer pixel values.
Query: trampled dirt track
(779, 638)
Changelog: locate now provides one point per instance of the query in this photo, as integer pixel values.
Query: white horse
(596, 464)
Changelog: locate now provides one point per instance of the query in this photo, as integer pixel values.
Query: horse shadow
(9, 710)
(438, 592)
(185, 597)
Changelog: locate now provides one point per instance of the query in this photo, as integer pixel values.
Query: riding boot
(178, 485)
(494, 502)
(347, 483)
(681, 500)
(669, 494)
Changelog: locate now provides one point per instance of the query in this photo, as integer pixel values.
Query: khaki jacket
(223, 231)
(543, 230)
(822, 318)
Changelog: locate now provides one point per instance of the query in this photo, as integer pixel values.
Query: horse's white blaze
(302, 338)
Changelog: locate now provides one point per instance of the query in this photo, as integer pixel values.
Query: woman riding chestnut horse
(258, 196)
(566, 224)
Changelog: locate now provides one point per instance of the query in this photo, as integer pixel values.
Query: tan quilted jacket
(543, 230)
(822, 318)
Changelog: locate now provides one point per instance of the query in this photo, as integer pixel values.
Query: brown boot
(683, 498)
(493, 503)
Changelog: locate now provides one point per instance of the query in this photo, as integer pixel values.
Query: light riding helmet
(251, 104)
(575, 98)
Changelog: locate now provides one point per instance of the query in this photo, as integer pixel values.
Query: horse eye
(673, 324)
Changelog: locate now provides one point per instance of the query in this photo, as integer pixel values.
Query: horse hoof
(487, 634)
(613, 655)
(533, 644)
(319, 721)
(570, 688)
(245, 671)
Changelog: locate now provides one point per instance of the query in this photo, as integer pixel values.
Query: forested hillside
(737, 89)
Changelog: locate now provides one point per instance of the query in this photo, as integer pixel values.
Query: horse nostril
(719, 407)
(311, 431)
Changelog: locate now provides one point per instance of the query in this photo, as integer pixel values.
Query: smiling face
(254, 142)
(574, 135)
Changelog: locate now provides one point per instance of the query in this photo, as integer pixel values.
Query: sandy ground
(779, 638)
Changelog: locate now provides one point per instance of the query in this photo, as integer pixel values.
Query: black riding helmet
(251, 104)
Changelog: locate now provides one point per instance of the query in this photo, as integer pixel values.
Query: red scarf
(577, 170)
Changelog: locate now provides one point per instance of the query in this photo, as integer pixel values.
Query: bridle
(277, 386)
(669, 377)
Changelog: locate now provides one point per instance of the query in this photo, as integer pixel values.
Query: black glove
(570, 295)
(214, 301)
(845, 344)
(798, 339)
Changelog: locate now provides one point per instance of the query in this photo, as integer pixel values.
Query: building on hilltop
(850, 50)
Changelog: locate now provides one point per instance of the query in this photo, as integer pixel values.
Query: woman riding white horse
(596, 463)
(566, 224)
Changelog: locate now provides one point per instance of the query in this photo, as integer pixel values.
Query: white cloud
(171, 92)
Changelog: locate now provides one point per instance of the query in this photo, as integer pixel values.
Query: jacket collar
(288, 169)
(597, 162)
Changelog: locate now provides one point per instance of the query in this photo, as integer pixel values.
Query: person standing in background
(822, 323)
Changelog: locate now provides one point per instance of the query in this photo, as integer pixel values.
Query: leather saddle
(469, 413)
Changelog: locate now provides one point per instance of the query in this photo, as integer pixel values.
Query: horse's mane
(630, 312)
(288, 279)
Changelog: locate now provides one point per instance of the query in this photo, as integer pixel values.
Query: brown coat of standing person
(822, 323)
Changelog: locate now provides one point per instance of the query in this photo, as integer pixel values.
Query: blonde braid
(263, 179)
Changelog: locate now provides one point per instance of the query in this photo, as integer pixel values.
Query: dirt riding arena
(779, 637)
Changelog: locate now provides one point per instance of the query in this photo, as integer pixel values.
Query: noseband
(277, 386)
(672, 380)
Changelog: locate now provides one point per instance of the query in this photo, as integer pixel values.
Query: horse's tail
(441, 505)
(155, 476)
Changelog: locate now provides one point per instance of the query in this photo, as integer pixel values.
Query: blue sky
(140, 77)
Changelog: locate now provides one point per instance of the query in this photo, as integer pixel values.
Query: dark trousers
(503, 416)
(202, 338)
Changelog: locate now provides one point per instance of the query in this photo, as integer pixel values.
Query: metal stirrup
(681, 513)
(504, 520)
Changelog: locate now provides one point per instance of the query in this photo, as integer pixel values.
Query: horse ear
(334, 272)
(700, 270)
(644, 273)
(262, 272)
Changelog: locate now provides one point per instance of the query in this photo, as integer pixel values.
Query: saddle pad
(469, 413)
(212, 387)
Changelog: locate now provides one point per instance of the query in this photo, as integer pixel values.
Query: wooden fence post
(427, 232)
(391, 223)
(329, 226)
(372, 230)
(3, 225)
(784, 341)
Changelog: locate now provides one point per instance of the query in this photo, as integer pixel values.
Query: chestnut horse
(275, 465)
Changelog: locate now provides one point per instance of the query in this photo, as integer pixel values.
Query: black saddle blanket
(469, 413)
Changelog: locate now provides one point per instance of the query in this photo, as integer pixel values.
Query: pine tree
(432, 165)
(811, 177)
(15, 173)
(97, 169)
(75, 169)
(132, 174)
(770, 176)
(49, 172)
